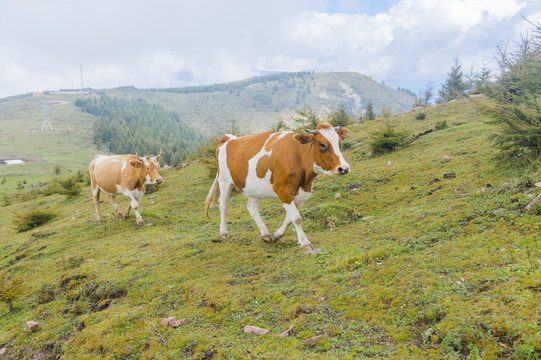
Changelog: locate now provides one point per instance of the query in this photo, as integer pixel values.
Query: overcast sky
(173, 43)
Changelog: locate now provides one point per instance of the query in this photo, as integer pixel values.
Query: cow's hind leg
(225, 195)
(112, 201)
(253, 208)
(96, 199)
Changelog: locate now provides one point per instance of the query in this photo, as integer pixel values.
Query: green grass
(69, 146)
(420, 266)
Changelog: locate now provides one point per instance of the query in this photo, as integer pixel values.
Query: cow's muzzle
(343, 170)
(158, 180)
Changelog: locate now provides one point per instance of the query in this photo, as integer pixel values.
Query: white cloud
(177, 43)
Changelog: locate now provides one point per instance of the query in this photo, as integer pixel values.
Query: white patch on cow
(319, 170)
(283, 134)
(124, 165)
(154, 160)
(138, 194)
(225, 175)
(301, 197)
(100, 158)
(332, 136)
(145, 161)
(256, 187)
(132, 195)
(148, 180)
(95, 191)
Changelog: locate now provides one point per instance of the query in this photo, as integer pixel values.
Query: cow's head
(149, 166)
(325, 141)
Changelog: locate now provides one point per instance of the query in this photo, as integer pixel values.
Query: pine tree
(339, 117)
(369, 113)
(516, 95)
(455, 86)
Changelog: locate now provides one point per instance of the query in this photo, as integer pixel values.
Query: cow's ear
(136, 164)
(304, 138)
(343, 133)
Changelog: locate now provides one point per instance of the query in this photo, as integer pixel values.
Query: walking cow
(123, 174)
(276, 165)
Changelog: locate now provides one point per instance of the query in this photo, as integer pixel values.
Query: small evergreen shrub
(441, 125)
(33, 219)
(387, 140)
(70, 187)
(420, 116)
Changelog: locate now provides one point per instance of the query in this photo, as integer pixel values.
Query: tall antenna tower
(82, 85)
(46, 125)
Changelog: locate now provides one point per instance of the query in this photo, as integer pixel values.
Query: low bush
(387, 140)
(33, 219)
(420, 116)
(441, 125)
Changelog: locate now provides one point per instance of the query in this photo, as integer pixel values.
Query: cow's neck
(308, 167)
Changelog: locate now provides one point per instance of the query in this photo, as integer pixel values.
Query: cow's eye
(323, 147)
(148, 169)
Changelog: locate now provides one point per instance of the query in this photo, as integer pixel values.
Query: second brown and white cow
(123, 174)
(276, 165)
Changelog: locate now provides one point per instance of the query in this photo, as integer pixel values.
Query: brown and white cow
(123, 174)
(276, 165)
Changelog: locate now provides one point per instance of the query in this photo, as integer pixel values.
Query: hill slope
(69, 145)
(255, 103)
(421, 265)
(258, 103)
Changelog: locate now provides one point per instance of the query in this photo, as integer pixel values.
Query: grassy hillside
(69, 145)
(258, 103)
(421, 265)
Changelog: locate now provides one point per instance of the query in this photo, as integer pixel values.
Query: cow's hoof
(140, 223)
(100, 221)
(311, 252)
(307, 247)
(120, 216)
(276, 237)
(268, 238)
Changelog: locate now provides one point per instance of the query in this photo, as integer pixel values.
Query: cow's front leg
(134, 204)
(126, 212)
(300, 200)
(278, 234)
(253, 208)
(112, 201)
(295, 217)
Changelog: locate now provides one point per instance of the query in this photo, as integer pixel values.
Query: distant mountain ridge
(259, 102)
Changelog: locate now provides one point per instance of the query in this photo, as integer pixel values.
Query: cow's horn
(337, 128)
(160, 154)
(310, 131)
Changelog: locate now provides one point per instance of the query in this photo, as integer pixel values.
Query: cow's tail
(212, 195)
